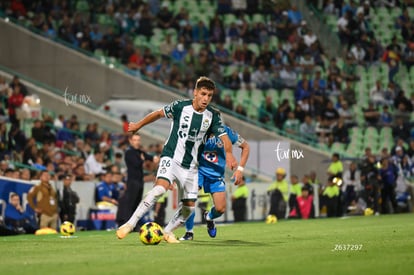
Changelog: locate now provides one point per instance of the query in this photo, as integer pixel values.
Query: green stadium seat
(82, 5)
(338, 147)
(254, 48)
(228, 19)
(252, 111)
(386, 132)
(257, 97)
(274, 94)
(257, 18)
(242, 96)
(225, 92)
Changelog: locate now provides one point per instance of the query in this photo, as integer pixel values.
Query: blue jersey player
(211, 178)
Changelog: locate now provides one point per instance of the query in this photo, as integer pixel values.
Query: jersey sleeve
(234, 137)
(217, 126)
(171, 110)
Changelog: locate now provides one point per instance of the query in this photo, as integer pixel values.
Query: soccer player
(192, 121)
(211, 178)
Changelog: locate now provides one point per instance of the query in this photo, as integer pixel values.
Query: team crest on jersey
(205, 125)
(211, 157)
(163, 170)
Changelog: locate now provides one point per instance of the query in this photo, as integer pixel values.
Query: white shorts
(186, 179)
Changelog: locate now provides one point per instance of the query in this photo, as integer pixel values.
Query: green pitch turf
(355, 245)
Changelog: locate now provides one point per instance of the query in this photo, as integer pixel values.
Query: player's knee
(158, 190)
(220, 208)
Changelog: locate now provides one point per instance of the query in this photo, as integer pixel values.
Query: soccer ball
(67, 229)
(151, 233)
(368, 212)
(271, 219)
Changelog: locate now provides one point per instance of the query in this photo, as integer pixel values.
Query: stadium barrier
(89, 216)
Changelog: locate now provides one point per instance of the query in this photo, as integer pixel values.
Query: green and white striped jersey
(189, 130)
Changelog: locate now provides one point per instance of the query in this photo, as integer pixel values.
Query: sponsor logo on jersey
(211, 157)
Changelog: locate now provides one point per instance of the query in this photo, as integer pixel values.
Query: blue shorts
(214, 185)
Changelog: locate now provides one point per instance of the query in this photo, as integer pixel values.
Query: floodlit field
(355, 245)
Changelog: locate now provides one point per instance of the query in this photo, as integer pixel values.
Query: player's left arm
(228, 147)
(245, 147)
(219, 130)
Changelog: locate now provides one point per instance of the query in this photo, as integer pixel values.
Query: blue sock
(189, 223)
(213, 214)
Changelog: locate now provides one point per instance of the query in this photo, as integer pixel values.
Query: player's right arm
(31, 199)
(150, 118)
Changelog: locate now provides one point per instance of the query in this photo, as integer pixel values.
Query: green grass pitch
(355, 245)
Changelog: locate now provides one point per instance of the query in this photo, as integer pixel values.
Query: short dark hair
(205, 82)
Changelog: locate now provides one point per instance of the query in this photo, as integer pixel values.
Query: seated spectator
(402, 113)
(222, 55)
(307, 62)
(333, 86)
(291, 125)
(349, 93)
(323, 130)
(246, 77)
(299, 112)
(179, 53)
(267, 110)
(340, 132)
(371, 115)
(349, 69)
(94, 163)
(165, 17)
(303, 90)
(282, 113)
(261, 78)
(344, 32)
(227, 102)
(346, 114)
(376, 94)
(200, 32)
(233, 81)
(217, 32)
(288, 76)
(241, 110)
(107, 193)
(408, 57)
(16, 219)
(385, 119)
(307, 129)
(410, 150)
(401, 130)
(304, 208)
(283, 26)
(330, 114)
(16, 139)
(318, 79)
(401, 98)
